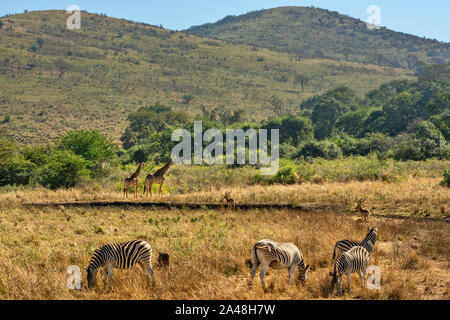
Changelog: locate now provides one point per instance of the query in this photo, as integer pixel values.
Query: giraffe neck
(164, 169)
(138, 171)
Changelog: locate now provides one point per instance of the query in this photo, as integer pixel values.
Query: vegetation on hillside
(53, 79)
(320, 33)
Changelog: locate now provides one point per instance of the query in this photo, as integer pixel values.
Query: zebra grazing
(122, 256)
(368, 242)
(277, 256)
(354, 260)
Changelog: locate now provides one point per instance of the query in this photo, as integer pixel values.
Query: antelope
(230, 201)
(365, 213)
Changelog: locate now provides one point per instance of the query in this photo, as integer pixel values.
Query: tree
(40, 42)
(347, 51)
(293, 130)
(320, 149)
(91, 145)
(62, 66)
(435, 72)
(325, 114)
(187, 98)
(148, 120)
(302, 80)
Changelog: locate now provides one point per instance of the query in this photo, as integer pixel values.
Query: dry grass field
(209, 248)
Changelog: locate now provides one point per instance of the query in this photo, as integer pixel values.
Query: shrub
(323, 149)
(91, 145)
(16, 171)
(64, 170)
(286, 175)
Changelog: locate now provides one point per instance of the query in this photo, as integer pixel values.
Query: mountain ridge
(314, 32)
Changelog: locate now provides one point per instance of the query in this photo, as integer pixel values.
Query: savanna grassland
(209, 249)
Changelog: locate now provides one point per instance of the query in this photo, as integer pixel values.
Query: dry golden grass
(422, 197)
(208, 250)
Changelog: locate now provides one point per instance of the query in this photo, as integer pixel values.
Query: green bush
(17, 171)
(322, 149)
(91, 145)
(64, 170)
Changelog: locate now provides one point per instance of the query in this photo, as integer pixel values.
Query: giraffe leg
(160, 187)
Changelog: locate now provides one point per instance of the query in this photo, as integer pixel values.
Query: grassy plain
(209, 249)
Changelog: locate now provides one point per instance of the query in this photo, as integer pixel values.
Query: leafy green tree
(431, 140)
(293, 130)
(325, 114)
(351, 122)
(435, 72)
(442, 122)
(91, 145)
(149, 120)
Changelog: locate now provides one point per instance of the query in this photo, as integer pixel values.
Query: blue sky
(422, 18)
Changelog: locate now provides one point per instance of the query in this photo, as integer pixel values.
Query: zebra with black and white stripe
(277, 256)
(121, 256)
(368, 243)
(354, 260)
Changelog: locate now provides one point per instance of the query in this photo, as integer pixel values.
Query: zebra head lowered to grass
(268, 253)
(121, 256)
(354, 260)
(346, 244)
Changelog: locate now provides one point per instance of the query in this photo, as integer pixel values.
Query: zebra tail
(334, 251)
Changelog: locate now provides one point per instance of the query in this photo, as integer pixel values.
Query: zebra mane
(371, 236)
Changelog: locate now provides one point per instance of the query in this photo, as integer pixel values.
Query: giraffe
(157, 177)
(133, 179)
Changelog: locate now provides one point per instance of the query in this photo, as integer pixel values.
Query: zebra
(122, 256)
(368, 243)
(277, 256)
(354, 260)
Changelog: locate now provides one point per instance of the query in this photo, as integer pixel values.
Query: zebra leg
(291, 272)
(255, 266)
(109, 274)
(340, 285)
(349, 276)
(147, 267)
(363, 278)
(262, 274)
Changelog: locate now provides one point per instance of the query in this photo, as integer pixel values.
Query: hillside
(319, 33)
(53, 79)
